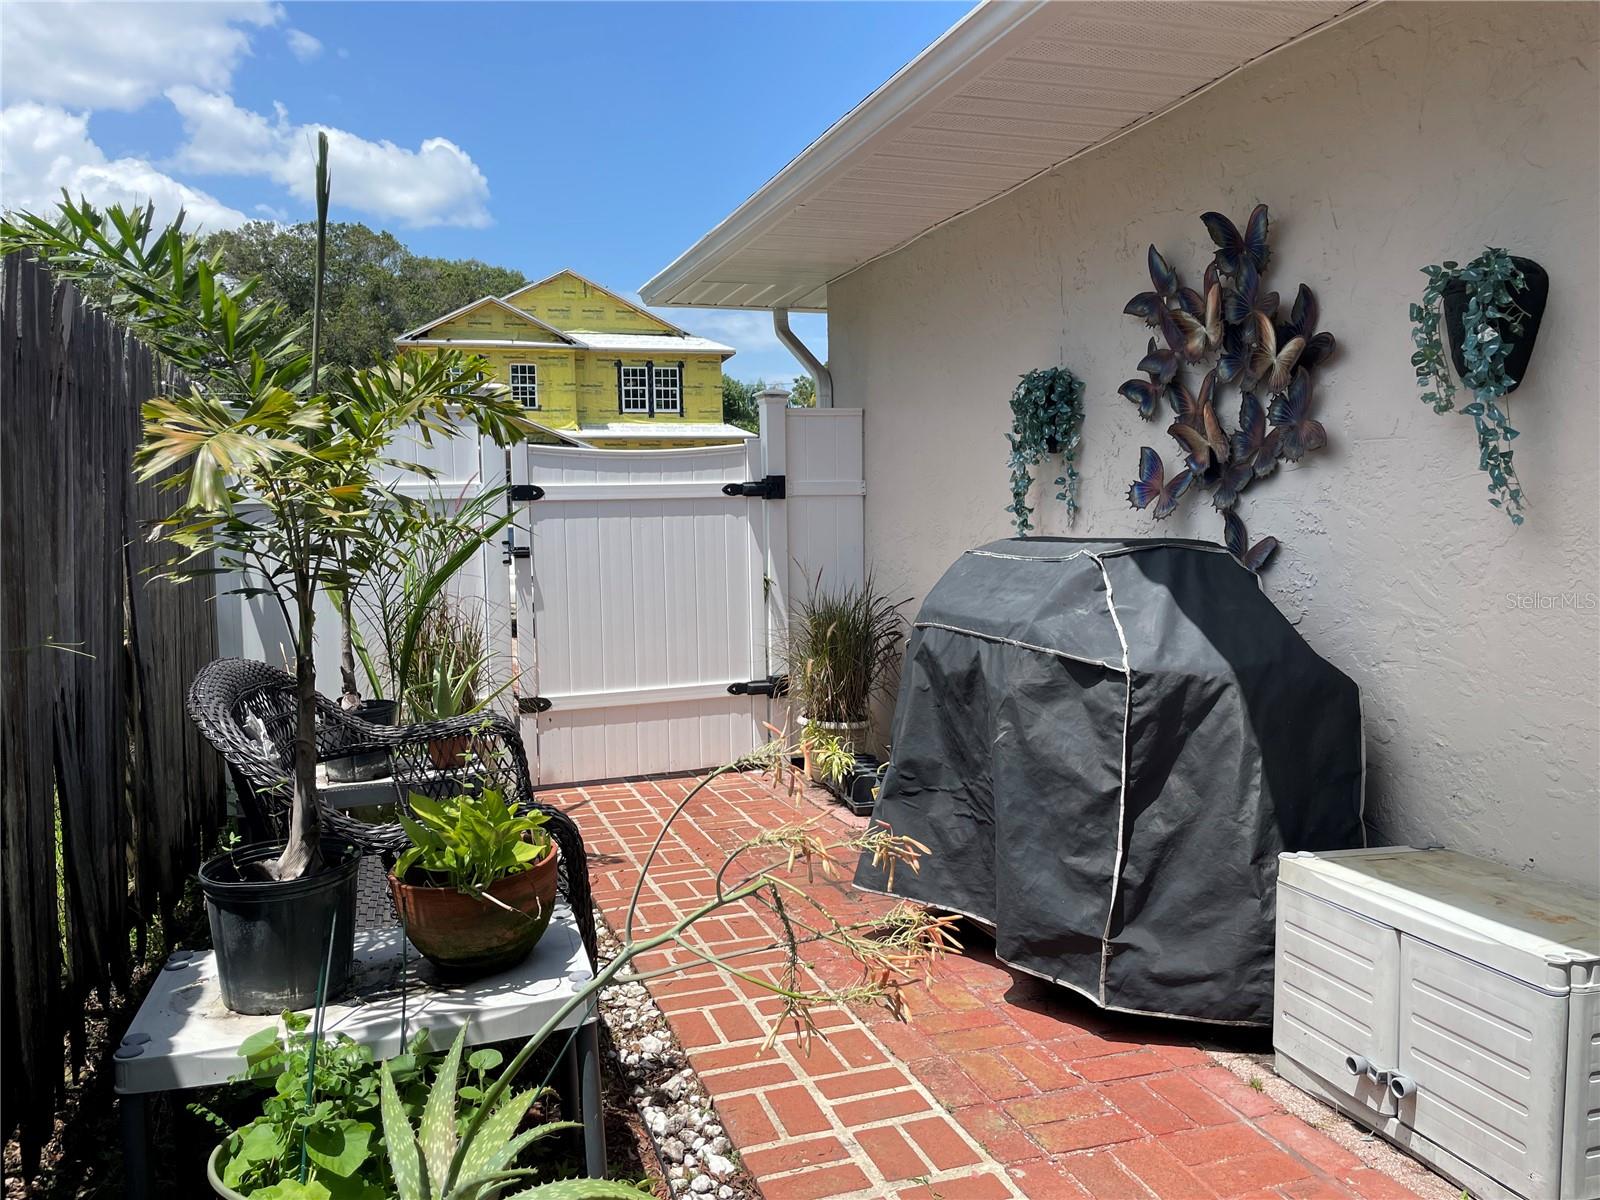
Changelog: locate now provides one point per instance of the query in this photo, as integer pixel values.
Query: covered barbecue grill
(1105, 745)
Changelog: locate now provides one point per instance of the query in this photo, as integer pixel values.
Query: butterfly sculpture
(1152, 486)
(1235, 249)
(1290, 414)
(1194, 328)
(1164, 287)
(1160, 366)
(1234, 328)
(1248, 300)
(1302, 324)
(1197, 429)
(1269, 364)
(1237, 541)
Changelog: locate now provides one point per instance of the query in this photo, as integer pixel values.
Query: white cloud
(436, 184)
(119, 55)
(302, 45)
(44, 148)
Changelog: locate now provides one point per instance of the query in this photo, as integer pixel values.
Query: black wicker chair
(230, 695)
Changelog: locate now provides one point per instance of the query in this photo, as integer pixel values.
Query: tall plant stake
(303, 853)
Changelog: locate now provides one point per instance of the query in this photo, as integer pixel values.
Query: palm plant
(280, 475)
(839, 650)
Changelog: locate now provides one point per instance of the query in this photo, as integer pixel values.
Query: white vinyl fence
(649, 596)
(643, 591)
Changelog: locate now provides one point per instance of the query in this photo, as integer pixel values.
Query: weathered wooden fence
(109, 793)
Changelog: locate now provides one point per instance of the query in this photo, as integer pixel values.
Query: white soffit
(1013, 89)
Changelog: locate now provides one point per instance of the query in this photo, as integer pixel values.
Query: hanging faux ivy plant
(1491, 323)
(1046, 418)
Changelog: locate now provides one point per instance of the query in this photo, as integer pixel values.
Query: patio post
(773, 448)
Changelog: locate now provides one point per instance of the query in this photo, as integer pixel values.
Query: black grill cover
(1105, 745)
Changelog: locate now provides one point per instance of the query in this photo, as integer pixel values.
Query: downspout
(818, 372)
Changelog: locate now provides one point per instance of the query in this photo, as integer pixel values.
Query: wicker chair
(247, 711)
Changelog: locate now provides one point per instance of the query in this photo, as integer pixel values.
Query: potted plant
(477, 885)
(279, 477)
(447, 665)
(839, 652)
(299, 1087)
(1491, 309)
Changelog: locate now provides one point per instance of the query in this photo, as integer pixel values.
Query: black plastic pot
(351, 768)
(1532, 298)
(855, 789)
(271, 938)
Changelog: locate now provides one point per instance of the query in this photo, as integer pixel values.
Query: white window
(525, 384)
(633, 384)
(464, 387)
(668, 389)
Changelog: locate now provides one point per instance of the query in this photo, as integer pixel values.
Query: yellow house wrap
(590, 367)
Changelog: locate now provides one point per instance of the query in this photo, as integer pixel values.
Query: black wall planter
(1532, 298)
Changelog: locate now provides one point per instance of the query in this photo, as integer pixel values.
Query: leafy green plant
(337, 1114)
(279, 475)
(839, 650)
(832, 757)
(1046, 418)
(1492, 313)
(472, 841)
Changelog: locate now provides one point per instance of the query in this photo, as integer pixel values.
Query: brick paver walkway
(998, 1086)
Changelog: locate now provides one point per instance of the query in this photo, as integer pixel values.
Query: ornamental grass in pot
(477, 885)
(839, 652)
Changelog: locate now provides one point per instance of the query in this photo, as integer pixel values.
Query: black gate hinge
(532, 705)
(770, 488)
(526, 491)
(772, 685)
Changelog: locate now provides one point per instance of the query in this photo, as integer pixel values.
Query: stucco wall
(1407, 135)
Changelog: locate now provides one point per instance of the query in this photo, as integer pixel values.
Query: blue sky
(605, 137)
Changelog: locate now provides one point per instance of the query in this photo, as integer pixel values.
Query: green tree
(739, 402)
(280, 464)
(803, 392)
(374, 288)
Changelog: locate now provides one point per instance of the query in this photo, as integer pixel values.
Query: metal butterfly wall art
(1234, 329)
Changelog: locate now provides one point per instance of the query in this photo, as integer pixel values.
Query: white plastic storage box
(1450, 1004)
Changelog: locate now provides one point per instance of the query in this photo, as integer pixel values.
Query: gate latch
(770, 488)
(532, 705)
(772, 685)
(526, 491)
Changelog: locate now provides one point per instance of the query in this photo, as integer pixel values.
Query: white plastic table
(183, 1037)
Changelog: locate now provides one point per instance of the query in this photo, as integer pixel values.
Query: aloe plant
(421, 1158)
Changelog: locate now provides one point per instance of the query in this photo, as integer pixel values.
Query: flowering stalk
(891, 949)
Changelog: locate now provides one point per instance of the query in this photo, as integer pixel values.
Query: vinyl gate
(649, 584)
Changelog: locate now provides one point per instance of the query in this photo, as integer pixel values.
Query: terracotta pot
(467, 936)
(447, 753)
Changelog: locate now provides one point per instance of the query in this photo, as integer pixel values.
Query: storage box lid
(1531, 928)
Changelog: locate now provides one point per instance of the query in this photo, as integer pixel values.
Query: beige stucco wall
(1407, 135)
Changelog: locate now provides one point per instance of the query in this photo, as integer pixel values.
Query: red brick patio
(998, 1086)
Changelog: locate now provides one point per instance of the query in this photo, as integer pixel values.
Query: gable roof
(1010, 91)
(412, 334)
(587, 282)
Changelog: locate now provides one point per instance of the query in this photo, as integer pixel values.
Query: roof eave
(955, 50)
